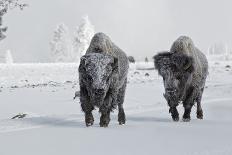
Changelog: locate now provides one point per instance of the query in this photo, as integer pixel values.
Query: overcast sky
(139, 27)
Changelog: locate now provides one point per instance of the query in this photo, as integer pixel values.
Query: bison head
(97, 71)
(176, 70)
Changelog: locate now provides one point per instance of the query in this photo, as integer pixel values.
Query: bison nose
(170, 90)
(99, 91)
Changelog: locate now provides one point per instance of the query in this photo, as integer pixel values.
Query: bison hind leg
(200, 114)
(199, 108)
(120, 101)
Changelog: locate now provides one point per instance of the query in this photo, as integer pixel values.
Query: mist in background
(139, 27)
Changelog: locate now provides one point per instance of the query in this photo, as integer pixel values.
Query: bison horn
(187, 66)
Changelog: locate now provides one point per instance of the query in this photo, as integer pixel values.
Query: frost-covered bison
(103, 79)
(184, 70)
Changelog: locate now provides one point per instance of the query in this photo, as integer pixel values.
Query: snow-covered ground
(54, 124)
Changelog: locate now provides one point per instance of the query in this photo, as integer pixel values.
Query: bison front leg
(105, 119)
(120, 100)
(174, 113)
(172, 108)
(86, 106)
(189, 102)
(106, 108)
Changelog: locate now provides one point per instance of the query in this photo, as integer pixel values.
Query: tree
(131, 59)
(146, 59)
(61, 45)
(8, 57)
(82, 37)
(5, 5)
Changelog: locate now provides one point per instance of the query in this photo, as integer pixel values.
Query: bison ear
(184, 62)
(83, 59)
(161, 59)
(115, 65)
(82, 64)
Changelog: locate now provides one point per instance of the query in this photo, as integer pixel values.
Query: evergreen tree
(146, 59)
(82, 37)
(5, 5)
(131, 59)
(61, 45)
(8, 57)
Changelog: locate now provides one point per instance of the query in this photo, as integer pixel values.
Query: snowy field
(54, 124)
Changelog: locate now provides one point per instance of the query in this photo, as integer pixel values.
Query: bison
(184, 70)
(103, 79)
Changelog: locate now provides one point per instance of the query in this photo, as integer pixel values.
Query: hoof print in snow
(19, 116)
(147, 74)
(136, 72)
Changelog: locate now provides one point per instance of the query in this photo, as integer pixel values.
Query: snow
(61, 45)
(9, 58)
(82, 36)
(69, 48)
(55, 123)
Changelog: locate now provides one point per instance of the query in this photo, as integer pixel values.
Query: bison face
(176, 70)
(97, 72)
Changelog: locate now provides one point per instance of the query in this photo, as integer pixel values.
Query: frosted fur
(103, 77)
(184, 70)
(101, 43)
(186, 46)
(97, 68)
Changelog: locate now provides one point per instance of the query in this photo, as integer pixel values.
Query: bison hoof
(200, 114)
(186, 119)
(104, 125)
(175, 114)
(176, 119)
(121, 122)
(104, 120)
(89, 124)
(121, 118)
(89, 120)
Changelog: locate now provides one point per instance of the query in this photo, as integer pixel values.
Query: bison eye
(108, 78)
(89, 78)
(98, 50)
(178, 77)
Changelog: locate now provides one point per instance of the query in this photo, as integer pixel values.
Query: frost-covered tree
(131, 59)
(8, 57)
(61, 45)
(82, 37)
(2, 29)
(5, 5)
(146, 59)
(218, 49)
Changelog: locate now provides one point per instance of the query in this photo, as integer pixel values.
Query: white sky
(139, 27)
